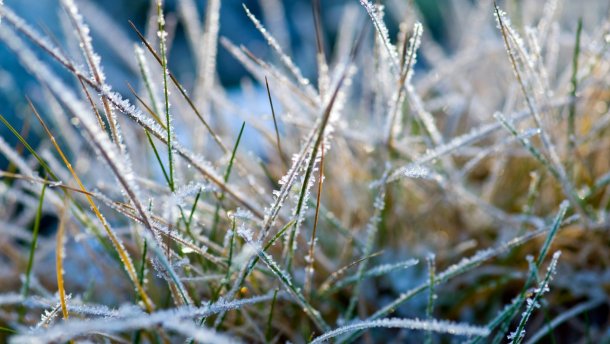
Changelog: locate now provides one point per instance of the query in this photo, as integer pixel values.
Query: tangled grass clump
(406, 189)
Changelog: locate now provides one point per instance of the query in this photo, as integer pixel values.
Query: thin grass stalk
(573, 93)
(59, 258)
(180, 88)
(162, 46)
(116, 242)
(554, 159)
(28, 271)
(226, 176)
(124, 106)
(310, 167)
(517, 336)
(277, 132)
(506, 316)
(311, 312)
(467, 264)
(309, 269)
(93, 63)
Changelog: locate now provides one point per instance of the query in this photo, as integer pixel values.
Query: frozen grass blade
(469, 263)
(207, 55)
(130, 321)
(333, 284)
(248, 268)
(285, 279)
(467, 187)
(563, 317)
(162, 34)
(517, 336)
(440, 326)
(285, 59)
(180, 88)
(554, 159)
(148, 84)
(505, 316)
(375, 12)
(406, 71)
(93, 61)
(309, 270)
(277, 132)
(313, 156)
(116, 242)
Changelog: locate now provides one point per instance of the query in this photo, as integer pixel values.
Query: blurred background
(290, 21)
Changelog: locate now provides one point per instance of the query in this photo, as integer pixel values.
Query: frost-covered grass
(404, 189)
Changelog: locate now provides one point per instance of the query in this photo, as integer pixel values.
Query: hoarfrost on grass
(441, 326)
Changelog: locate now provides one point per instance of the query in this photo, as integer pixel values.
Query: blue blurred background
(16, 83)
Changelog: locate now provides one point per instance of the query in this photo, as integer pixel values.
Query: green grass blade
(226, 176)
(35, 231)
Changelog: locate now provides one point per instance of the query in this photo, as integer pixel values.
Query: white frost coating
(177, 198)
(414, 43)
(532, 303)
(376, 271)
(274, 15)
(287, 181)
(198, 333)
(76, 327)
(126, 310)
(200, 163)
(245, 233)
(286, 60)
(148, 80)
(393, 123)
(99, 140)
(242, 259)
(458, 142)
(94, 64)
(48, 316)
(259, 69)
(515, 38)
(83, 31)
(376, 14)
(208, 50)
(387, 268)
(15, 158)
(110, 30)
(285, 279)
(118, 162)
(335, 113)
(10, 299)
(418, 172)
(441, 326)
(243, 215)
(564, 316)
